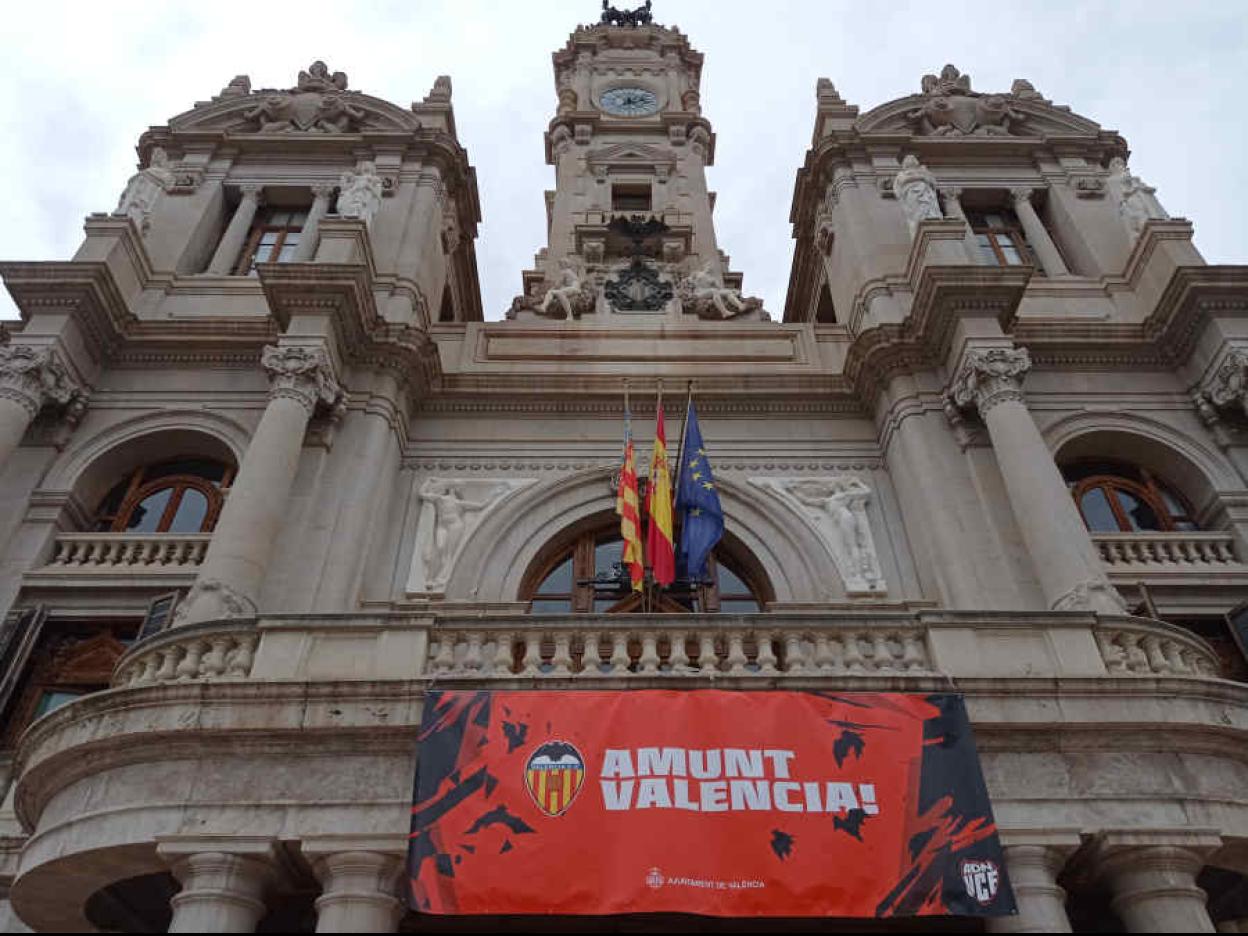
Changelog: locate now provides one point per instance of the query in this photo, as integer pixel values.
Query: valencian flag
(628, 506)
(727, 804)
(697, 501)
(659, 508)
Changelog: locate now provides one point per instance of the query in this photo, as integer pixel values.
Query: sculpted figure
(840, 506)
(450, 521)
(144, 187)
(915, 188)
(273, 114)
(318, 78)
(1137, 202)
(573, 294)
(360, 193)
(704, 293)
(337, 115)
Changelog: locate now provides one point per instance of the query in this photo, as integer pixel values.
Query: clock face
(629, 102)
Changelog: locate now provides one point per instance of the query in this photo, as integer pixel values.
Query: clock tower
(629, 223)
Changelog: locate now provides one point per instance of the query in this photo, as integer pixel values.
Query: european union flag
(697, 502)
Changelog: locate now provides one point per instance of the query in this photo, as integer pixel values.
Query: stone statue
(839, 505)
(450, 515)
(360, 193)
(835, 507)
(1137, 202)
(703, 293)
(572, 296)
(320, 102)
(144, 187)
(915, 188)
(337, 115)
(274, 114)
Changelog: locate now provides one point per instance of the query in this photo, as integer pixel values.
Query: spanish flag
(659, 508)
(628, 506)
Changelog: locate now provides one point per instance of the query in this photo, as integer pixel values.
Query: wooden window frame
(139, 490)
(246, 260)
(1018, 239)
(1149, 491)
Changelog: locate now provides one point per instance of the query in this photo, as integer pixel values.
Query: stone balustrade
(126, 551)
(1186, 550)
(1137, 649)
(217, 651)
(690, 647)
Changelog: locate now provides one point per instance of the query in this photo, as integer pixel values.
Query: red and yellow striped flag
(628, 506)
(659, 507)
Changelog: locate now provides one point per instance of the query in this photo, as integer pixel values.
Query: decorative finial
(638, 17)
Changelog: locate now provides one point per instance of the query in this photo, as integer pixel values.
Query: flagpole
(684, 431)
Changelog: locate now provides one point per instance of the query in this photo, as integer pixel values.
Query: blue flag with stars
(697, 502)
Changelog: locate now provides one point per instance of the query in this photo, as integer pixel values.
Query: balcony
(125, 552)
(1133, 552)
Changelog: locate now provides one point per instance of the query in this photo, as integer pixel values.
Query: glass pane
(1097, 513)
(730, 583)
(192, 510)
(288, 252)
(1009, 251)
(269, 237)
(1140, 514)
(278, 218)
(559, 582)
(1172, 503)
(986, 254)
(53, 699)
(607, 553)
(146, 516)
(262, 254)
(552, 606)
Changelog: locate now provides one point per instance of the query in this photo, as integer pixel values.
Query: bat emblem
(553, 776)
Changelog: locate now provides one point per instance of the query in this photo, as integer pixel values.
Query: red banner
(717, 803)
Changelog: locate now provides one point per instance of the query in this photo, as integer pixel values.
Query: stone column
(223, 884)
(224, 260)
(229, 581)
(953, 209)
(358, 892)
(1062, 553)
(1154, 887)
(1034, 863)
(320, 207)
(29, 379)
(1037, 236)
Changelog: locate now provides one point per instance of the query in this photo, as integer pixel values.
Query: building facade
(267, 474)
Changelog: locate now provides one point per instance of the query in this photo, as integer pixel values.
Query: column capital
(302, 374)
(34, 377)
(988, 376)
(951, 191)
(1021, 194)
(253, 191)
(324, 189)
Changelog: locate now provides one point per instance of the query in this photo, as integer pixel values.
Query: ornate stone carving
(212, 600)
(914, 187)
(318, 103)
(34, 377)
(1092, 595)
(1089, 187)
(144, 187)
(451, 510)
(571, 296)
(1025, 90)
(239, 86)
(989, 376)
(302, 374)
(836, 507)
(638, 288)
(360, 193)
(1137, 202)
(704, 294)
(1229, 385)
(950, 108)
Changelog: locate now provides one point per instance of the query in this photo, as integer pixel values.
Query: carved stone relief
(1137, 202)
(144, 188)
(34, 377)
(951, 108)
(836, 507)
(915, 188)
(451, 510)
(638, 287)
(318, 103)
(360, 193)
(702, 293)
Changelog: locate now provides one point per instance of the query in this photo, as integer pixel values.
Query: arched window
(179, 496)
(581, 572)
(1114, 497)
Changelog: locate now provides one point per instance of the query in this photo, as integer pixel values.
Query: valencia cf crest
(554, 775)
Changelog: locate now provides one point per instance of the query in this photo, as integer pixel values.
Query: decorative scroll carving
(360, 193)
(35, 377)
(989, 376)
(318, 103)
(1229, 386)
(212, 600)
(1137, 202)
(952, 109)
(641, 16)
(915, 188)
(704, 294)
(144, 187)
(638, 288)
(302, 374)
(836, 507)
(451, 511)
(1093, 595)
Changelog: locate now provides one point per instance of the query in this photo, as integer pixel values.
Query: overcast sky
(85, 79)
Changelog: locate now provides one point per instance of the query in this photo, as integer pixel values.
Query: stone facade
(986, 313)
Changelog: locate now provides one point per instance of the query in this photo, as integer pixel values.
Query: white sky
(85, 79)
